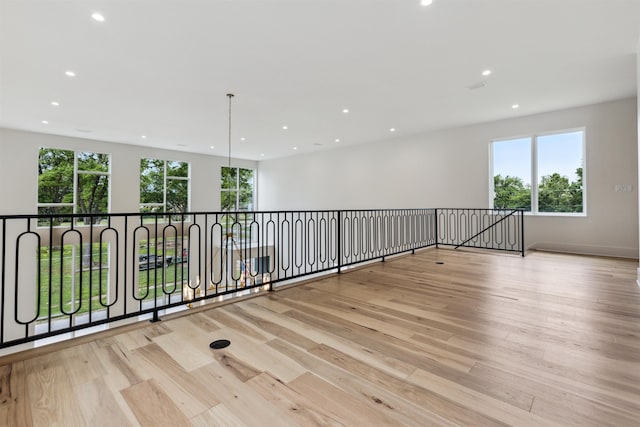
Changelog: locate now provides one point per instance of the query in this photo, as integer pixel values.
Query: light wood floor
(481, 340)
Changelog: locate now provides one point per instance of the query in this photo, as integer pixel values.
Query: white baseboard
(608, 251)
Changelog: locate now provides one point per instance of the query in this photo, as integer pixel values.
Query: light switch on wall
(623, 188)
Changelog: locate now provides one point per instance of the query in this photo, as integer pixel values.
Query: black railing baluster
(3, 273)
(339, 242)
(521, 226)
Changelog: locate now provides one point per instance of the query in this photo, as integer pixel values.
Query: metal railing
(59, 274)
(496, 229)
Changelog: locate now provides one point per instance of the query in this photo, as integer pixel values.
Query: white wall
(638, 121)
(19, 171)
(451, 169)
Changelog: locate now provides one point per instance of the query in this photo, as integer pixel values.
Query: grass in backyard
(71, 282)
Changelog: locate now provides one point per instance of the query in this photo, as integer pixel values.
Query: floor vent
(218, 344)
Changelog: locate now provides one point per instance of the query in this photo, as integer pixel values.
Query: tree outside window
(236, 198)
(512, 174)
(72, 183)
(237, 189)
(554, 162)
(164, 186)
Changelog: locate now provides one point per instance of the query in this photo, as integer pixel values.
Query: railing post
(3, 252)
(522, 231)
(436, 225)
(339, 242)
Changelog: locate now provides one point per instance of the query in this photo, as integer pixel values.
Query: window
(73, 183)
(541, 174)
(164, 186)
(236, 193)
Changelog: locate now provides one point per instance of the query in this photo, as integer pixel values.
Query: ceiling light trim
(97, 16)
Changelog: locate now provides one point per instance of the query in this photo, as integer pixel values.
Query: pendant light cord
(234, 244)
(230, 95)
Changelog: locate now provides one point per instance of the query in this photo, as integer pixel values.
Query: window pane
(151, 181)
(177, 195)
(54, 210)
(178, 169)
(151, 209)
(228, 200)
(94, 162)
(229, 178)
(512, 174)
(93, 194)
(560, 165)
(55, 176)
(246, 190)
(245, 203)
(246, 199)
(246, 177)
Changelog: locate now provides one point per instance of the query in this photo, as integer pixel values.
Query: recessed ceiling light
(144, 137)
(426, 2)
(261, 154)
(486, 73)
(243, 139)
(97, 17)
(285, 127)
(337, 139)
(345, 110)
(70, 73)
(55, 103)
(212, 147)
(514, 106)
(295, 148)
(392, 130)
(45, 122)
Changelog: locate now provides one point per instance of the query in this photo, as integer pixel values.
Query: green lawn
(74, 286)
(73, 292)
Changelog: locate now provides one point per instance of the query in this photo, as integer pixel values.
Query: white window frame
(76, 174)
(237, 187)
(165, 179)
(534, 171)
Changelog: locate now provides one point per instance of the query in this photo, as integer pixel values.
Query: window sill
(556, 214)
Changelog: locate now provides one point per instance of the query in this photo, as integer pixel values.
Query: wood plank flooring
(482, 339)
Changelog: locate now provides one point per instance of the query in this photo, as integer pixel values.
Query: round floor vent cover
(218, 344)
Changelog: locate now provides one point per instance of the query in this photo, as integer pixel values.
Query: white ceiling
(162, 68)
